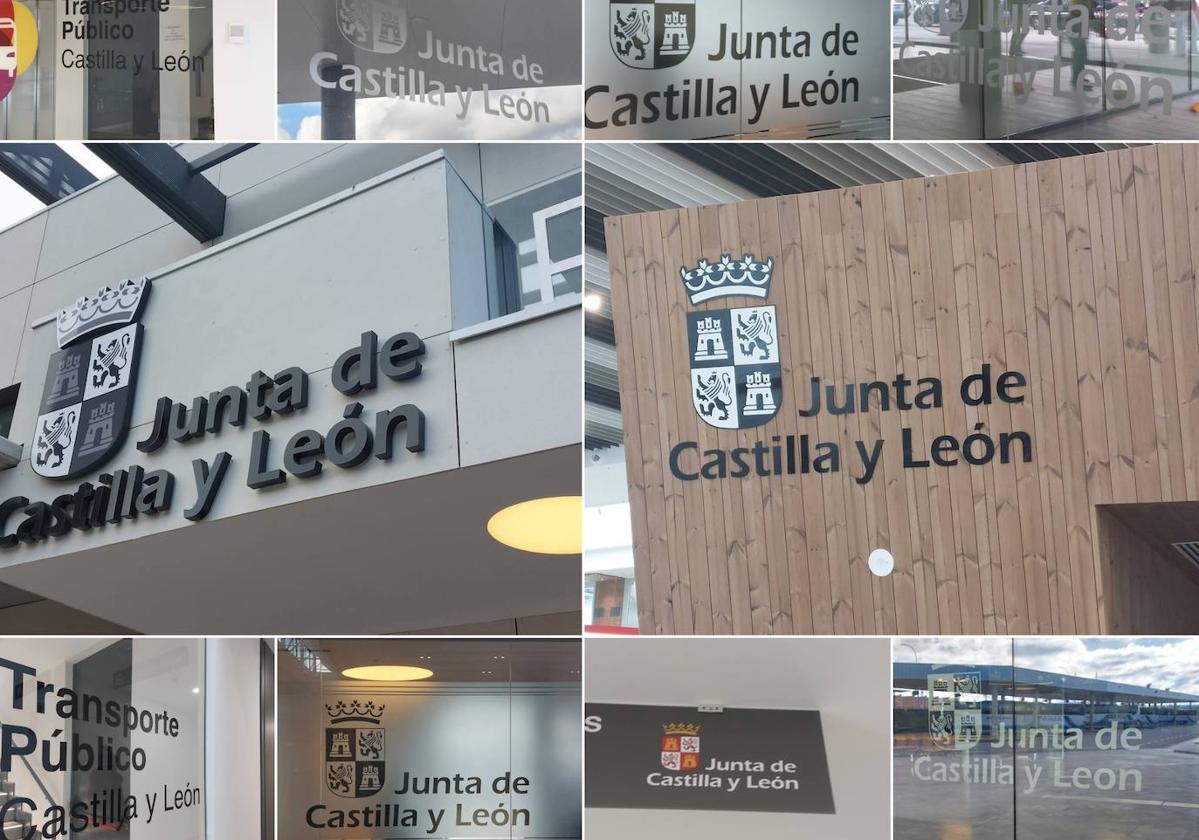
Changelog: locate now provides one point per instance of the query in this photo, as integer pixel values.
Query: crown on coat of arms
(680, 729)
(728, 277)
(355, 710)
(109, 307)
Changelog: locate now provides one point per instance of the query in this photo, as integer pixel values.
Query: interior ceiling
(474, 661)
(402, 556)
(629, 178)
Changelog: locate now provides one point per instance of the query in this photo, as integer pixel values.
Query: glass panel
(562, 231)
(122, 98)
(564, 235)
(122, 720)
(1044, 68)
(1106, 741)
(486, 746)
(953, 774)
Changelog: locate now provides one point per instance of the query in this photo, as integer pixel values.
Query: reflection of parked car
(8, 51)
(899, 11)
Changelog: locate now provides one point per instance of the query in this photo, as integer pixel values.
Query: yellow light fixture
(552, 525)
(387, 673)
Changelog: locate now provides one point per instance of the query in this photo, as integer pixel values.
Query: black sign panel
(678, 758)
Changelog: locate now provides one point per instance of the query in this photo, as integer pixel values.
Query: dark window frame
(8, 407)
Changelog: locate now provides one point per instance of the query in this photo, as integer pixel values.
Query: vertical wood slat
(1079, 273)
(677, 569)
(700, 615)
(799, 340)
(716, 542)
(627, 339)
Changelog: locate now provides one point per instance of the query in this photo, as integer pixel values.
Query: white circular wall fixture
(881, 562)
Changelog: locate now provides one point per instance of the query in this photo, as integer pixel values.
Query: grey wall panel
(96, 220)
(275, 301)
(13, 309)
(21, 247)
(147, 253)
(269, 181)
(262, 163)
(468, 254)
(504, 376)
(510, 167)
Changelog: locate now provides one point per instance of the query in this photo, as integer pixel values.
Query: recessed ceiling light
(387, 673)
(552, 525)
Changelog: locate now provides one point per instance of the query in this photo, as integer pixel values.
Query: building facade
(390, 311)
(979, 413)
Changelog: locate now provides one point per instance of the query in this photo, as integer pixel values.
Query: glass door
(150, 73)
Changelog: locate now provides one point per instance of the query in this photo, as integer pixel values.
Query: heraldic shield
(954, 709)
(651, 35)
(87, 399)
(379, 26)
(680, 747)
(354, 755)
(736, 378)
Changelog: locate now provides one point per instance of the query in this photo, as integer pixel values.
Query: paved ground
(1165, 808)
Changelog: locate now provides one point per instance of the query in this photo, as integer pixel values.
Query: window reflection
(1044, 68)
(1046, 737)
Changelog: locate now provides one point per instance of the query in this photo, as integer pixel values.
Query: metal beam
(220, 155)
(165, 177)
(43, 170)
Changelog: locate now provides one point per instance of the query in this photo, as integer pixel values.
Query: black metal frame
(43, 170)
(165, 177)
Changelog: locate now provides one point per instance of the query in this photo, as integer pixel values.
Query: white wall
(847, 680)
(244, 95)
(233, 780)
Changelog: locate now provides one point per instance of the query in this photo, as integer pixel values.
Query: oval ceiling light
(387, 673)
(552, 525)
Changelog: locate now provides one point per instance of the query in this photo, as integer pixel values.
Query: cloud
(310, 129)
(392, 118)
(1169, 663)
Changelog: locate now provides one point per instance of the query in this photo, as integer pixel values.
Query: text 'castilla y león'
(128, 493)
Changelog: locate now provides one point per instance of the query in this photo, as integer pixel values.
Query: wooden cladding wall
(1078, 272)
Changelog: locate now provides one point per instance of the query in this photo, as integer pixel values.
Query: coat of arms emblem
(354, 755)
(651, 35)
(379, 26)
(955, 709)
(736, 376)
(680, 747)
(88, 395)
